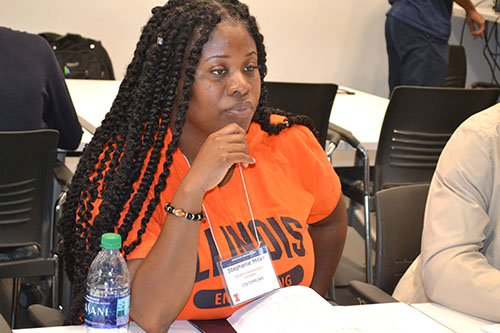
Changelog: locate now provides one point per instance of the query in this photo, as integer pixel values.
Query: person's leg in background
(422, 59)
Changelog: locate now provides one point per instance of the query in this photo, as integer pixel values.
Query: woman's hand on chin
(221, 150)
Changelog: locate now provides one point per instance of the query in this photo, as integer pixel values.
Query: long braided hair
(166, 57)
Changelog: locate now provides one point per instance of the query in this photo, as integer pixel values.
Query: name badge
(249, 275)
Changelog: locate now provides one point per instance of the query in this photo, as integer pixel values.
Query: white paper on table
(455, 320)
(301, 309)
(178, 326)
(495, 328)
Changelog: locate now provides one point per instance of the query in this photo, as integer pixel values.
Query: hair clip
(159, 40)
(285, 121)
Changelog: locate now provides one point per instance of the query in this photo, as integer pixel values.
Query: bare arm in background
(474, 20)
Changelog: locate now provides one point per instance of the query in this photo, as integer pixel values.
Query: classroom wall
(316, 40)
(311, 41)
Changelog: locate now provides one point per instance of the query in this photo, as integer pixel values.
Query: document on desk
(178, 326)
(300, 309)
(495, 328)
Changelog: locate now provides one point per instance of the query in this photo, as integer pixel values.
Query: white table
(362, 114)
(179, 326)
(485, 8)
(457, 321)
(453, 320)
(92, 100)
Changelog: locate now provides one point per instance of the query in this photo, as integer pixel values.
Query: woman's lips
(240, 110)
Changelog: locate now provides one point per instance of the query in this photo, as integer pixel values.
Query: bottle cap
(111, 241)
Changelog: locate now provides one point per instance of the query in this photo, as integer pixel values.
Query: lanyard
(249, 208)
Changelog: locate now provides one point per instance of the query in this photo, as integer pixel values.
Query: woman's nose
(238, 84)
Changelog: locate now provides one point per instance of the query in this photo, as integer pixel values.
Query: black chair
(400, 216)
(457, 67)
(26, 208)
(417, 124)
(311, 99)
(41, 315)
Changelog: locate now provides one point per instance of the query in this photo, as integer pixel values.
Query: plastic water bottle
(108, 289)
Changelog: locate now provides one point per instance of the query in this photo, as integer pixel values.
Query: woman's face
(226, 86)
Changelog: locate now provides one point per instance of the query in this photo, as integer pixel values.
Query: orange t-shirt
(292, 184)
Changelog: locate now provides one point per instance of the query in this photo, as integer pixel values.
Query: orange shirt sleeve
(320, 178)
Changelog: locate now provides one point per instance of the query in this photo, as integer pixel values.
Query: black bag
(80, 57)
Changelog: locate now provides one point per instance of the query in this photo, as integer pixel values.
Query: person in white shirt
(459, 266)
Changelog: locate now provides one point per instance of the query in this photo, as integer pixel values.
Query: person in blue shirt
(417, 33)
(33, 93)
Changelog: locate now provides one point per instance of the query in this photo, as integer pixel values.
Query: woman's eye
(218, 71)
(251, 68)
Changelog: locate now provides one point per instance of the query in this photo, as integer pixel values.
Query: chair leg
(15, 300)
(55, 285)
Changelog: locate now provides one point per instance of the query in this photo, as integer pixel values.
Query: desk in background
(485, 8)
(92, 100)
(362, 114)
(359, 112)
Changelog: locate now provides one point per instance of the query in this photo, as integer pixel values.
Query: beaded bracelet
(179, 212)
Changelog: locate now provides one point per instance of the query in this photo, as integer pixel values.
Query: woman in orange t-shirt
(190, 164)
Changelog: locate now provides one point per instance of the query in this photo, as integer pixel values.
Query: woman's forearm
(328, 238)
(163, 281)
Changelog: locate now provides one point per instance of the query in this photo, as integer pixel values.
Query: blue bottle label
(106, 312)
